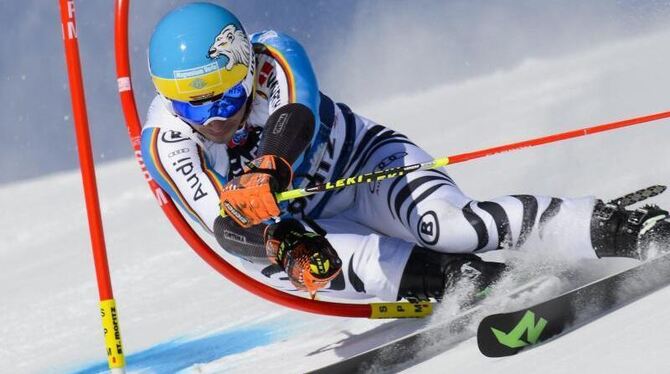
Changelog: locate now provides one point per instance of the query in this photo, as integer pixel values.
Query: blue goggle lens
(227, 106)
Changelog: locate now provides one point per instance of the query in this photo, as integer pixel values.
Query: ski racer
(238, 118)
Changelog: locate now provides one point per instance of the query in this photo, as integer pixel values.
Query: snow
(178, 314)
(631, 339)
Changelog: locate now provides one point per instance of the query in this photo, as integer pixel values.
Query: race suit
(373, 227)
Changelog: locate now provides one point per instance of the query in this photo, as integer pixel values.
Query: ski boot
(430, 274)
(642, 233)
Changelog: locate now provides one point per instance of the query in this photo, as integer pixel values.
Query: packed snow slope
(178, 314)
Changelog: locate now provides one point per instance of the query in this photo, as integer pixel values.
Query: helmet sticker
(197, 71)
(232, 43)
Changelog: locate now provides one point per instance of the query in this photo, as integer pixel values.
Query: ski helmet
(201, 60)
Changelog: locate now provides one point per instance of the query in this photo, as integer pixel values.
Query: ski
(396, 354)
(427, 340)
(506, 334)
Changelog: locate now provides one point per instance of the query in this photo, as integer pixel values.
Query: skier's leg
(391, 268)
(427, 207)
(431, 274)
(430, 207)
(372, 264)
(378, 266)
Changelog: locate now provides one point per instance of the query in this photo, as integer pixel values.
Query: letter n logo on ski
(527, 326)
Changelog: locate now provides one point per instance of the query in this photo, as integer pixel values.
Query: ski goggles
(222, 108)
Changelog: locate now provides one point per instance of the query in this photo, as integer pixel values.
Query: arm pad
(248, 244)
(288, 132)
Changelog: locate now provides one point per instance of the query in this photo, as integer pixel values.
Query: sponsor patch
(178, 152)
(234, 212)
(234, 237)
(428, 228)
(383, 164)
(197, 71)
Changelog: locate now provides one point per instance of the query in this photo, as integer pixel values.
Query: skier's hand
(250, 198)
(308, 258)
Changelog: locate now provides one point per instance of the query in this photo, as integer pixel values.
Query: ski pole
(362, 178)
(455, 159)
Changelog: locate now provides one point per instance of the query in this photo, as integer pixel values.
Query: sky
(362, 52)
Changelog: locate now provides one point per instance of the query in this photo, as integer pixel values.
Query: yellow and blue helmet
(201, 60)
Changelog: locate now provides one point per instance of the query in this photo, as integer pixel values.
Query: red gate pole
(108, 310)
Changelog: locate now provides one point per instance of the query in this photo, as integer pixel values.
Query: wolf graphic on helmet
(232, 43)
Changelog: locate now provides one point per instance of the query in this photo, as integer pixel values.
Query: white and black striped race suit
(373, 227)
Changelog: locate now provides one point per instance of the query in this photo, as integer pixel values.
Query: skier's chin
(219, 131)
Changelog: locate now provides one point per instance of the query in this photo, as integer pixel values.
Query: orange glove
(307, 258)
(250, 198)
